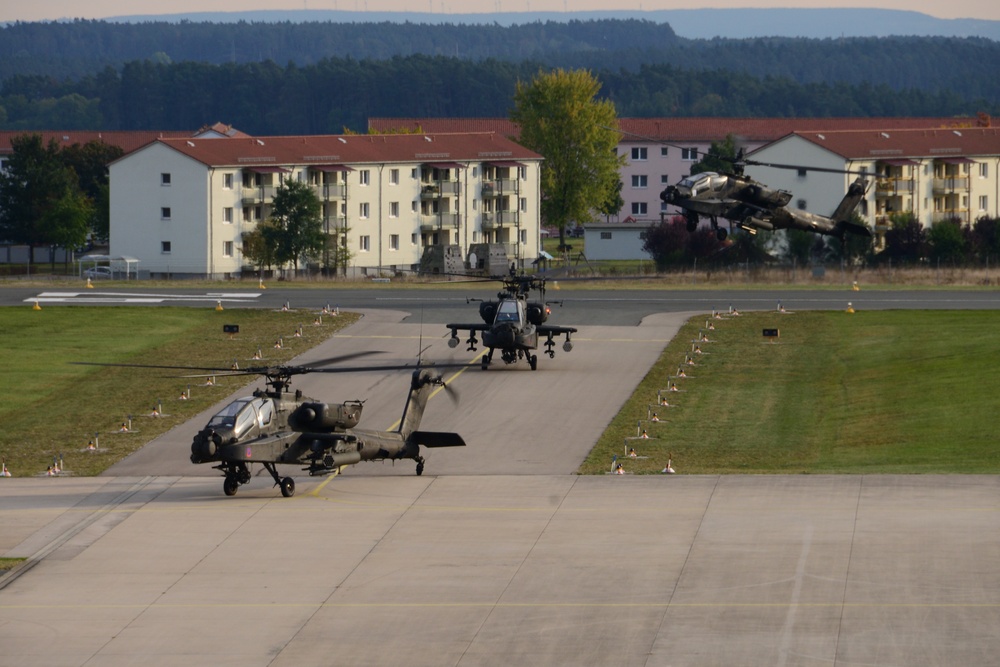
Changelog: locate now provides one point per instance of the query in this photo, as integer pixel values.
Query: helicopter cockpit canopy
(243, 413)
(509, 310)
(700, 182)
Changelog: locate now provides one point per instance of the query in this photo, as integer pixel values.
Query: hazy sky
(41, 10)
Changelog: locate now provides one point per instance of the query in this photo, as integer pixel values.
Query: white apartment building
(935, 173)
(181, 206)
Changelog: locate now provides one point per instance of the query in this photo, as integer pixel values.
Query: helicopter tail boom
(845, 210)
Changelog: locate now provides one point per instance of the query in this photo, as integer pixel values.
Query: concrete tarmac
(498, 554)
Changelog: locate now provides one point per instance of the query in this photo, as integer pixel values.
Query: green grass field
(869, 392)
(53, 408)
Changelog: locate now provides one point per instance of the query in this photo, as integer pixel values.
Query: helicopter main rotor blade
(775, 165)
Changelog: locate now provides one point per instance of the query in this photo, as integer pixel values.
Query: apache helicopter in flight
(513, 324)
(751, 205)
(275, 426)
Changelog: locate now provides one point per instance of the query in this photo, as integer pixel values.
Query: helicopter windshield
(227, 415)
(697, 182)
(508, 311)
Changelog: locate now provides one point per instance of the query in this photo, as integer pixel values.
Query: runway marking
(517, 605)
(139, 298)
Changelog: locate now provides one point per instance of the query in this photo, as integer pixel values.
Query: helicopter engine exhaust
(325, 418)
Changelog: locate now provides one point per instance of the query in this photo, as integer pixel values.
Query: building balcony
(950, 184)
(435, 221)
(258, 195)
(888, 187)
(497, 186)
(331, 222)
(961, 214)
(330, 190)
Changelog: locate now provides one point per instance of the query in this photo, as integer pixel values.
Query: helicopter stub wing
(436, 439)
(546, 329)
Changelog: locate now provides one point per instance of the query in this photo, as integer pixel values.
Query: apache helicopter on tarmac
(276, 426)
(751, 205)
(513, 324)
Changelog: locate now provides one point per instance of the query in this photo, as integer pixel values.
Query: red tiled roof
(127, 141)
(903, 143)
(351, 149)
(686, 129)
(502, 126)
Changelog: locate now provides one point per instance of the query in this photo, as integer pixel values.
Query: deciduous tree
(561, 118)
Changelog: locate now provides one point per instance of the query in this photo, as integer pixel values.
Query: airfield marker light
(36, 306)
(855, 286)
(261, 285)
(218, 305)
(850, 308)
(90, 285)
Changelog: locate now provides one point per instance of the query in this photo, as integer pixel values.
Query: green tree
(40, 200)
(561, 118)
(947, 241)
(613, 204)
(90, 162)
(721, 157)
(297, 214)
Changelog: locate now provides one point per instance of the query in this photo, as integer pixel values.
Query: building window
(639, 181)
(639, 208)
(639, 153)
(689, 154)
(984, 202)
(227, 181)
(393, 241)
(413, 174)
(413, 207)
(227, 215)
(605, 236)
(475, 172)
(365, 243)
(524, 204)
(164, 179)
(663, 151)
(165, 247)
(363, 212)
(524, 236)
(227, 248)
(413, 238)
(394, 177)
(164, 213)
(364, 176)
(984, 170)
(394, 209)
(522, 173)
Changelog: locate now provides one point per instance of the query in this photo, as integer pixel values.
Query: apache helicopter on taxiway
(275, 426)
(512, 323)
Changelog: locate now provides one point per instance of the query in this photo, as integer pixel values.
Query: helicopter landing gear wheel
(721, 234)
(420, 468)
(287, 487)
(533, 361)
(230, 485)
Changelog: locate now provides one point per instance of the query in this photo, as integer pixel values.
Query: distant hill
(688, 23)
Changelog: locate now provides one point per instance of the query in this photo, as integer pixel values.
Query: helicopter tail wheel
(533, 361)
(230, 486)
(420, 466)
(287, 487)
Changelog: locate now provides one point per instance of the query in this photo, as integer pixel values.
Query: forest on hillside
(290, 78)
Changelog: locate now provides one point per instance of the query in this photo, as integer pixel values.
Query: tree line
(333, 94)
